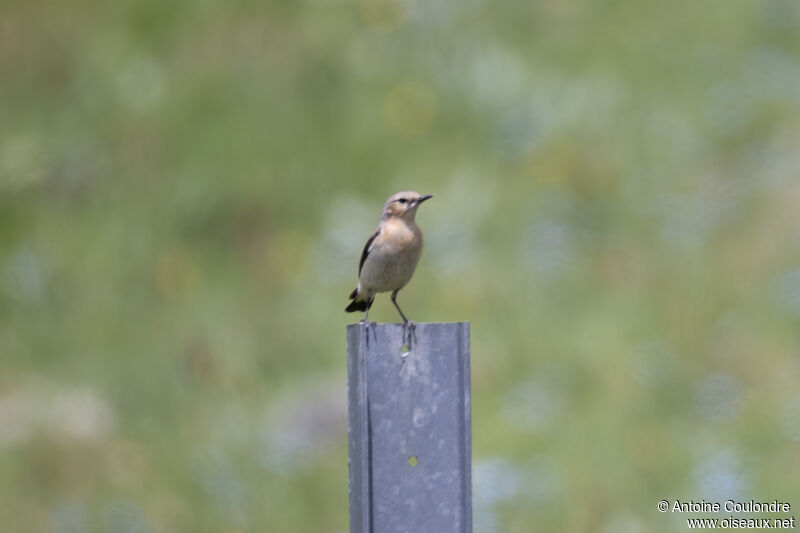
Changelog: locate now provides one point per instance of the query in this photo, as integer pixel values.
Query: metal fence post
(409, 429)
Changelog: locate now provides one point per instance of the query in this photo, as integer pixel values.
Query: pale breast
(393, 257)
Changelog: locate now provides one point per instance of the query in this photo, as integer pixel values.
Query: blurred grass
(185, 189)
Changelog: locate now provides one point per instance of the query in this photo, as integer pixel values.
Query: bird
(390, 255)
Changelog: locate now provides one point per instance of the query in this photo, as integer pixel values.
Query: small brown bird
(391, 253)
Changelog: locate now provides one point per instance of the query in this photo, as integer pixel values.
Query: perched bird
(391, 253)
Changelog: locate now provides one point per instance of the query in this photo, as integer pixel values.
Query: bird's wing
(367, 246)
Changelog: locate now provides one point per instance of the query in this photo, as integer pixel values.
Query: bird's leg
(370, 299)
(408, 325)
(394, 301)
(365, 320)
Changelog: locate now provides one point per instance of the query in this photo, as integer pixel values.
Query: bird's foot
(367, 326)
(409, 332)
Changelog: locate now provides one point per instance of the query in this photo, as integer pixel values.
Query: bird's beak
(423, 198)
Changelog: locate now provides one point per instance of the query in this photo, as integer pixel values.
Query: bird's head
(404, 204)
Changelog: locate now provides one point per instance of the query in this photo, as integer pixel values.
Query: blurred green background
(185, 188)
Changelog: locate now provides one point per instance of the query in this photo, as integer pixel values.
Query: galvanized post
(409, 429)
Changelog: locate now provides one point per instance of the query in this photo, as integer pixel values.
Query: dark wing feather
(365, 253)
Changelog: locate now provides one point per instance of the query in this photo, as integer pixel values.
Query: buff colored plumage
(391, 253)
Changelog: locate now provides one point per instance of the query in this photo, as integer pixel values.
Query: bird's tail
(357, 304)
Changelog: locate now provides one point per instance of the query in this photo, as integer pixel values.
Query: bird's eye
(402, 200)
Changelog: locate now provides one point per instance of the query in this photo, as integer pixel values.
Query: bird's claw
(368, 324)
(409, 331)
